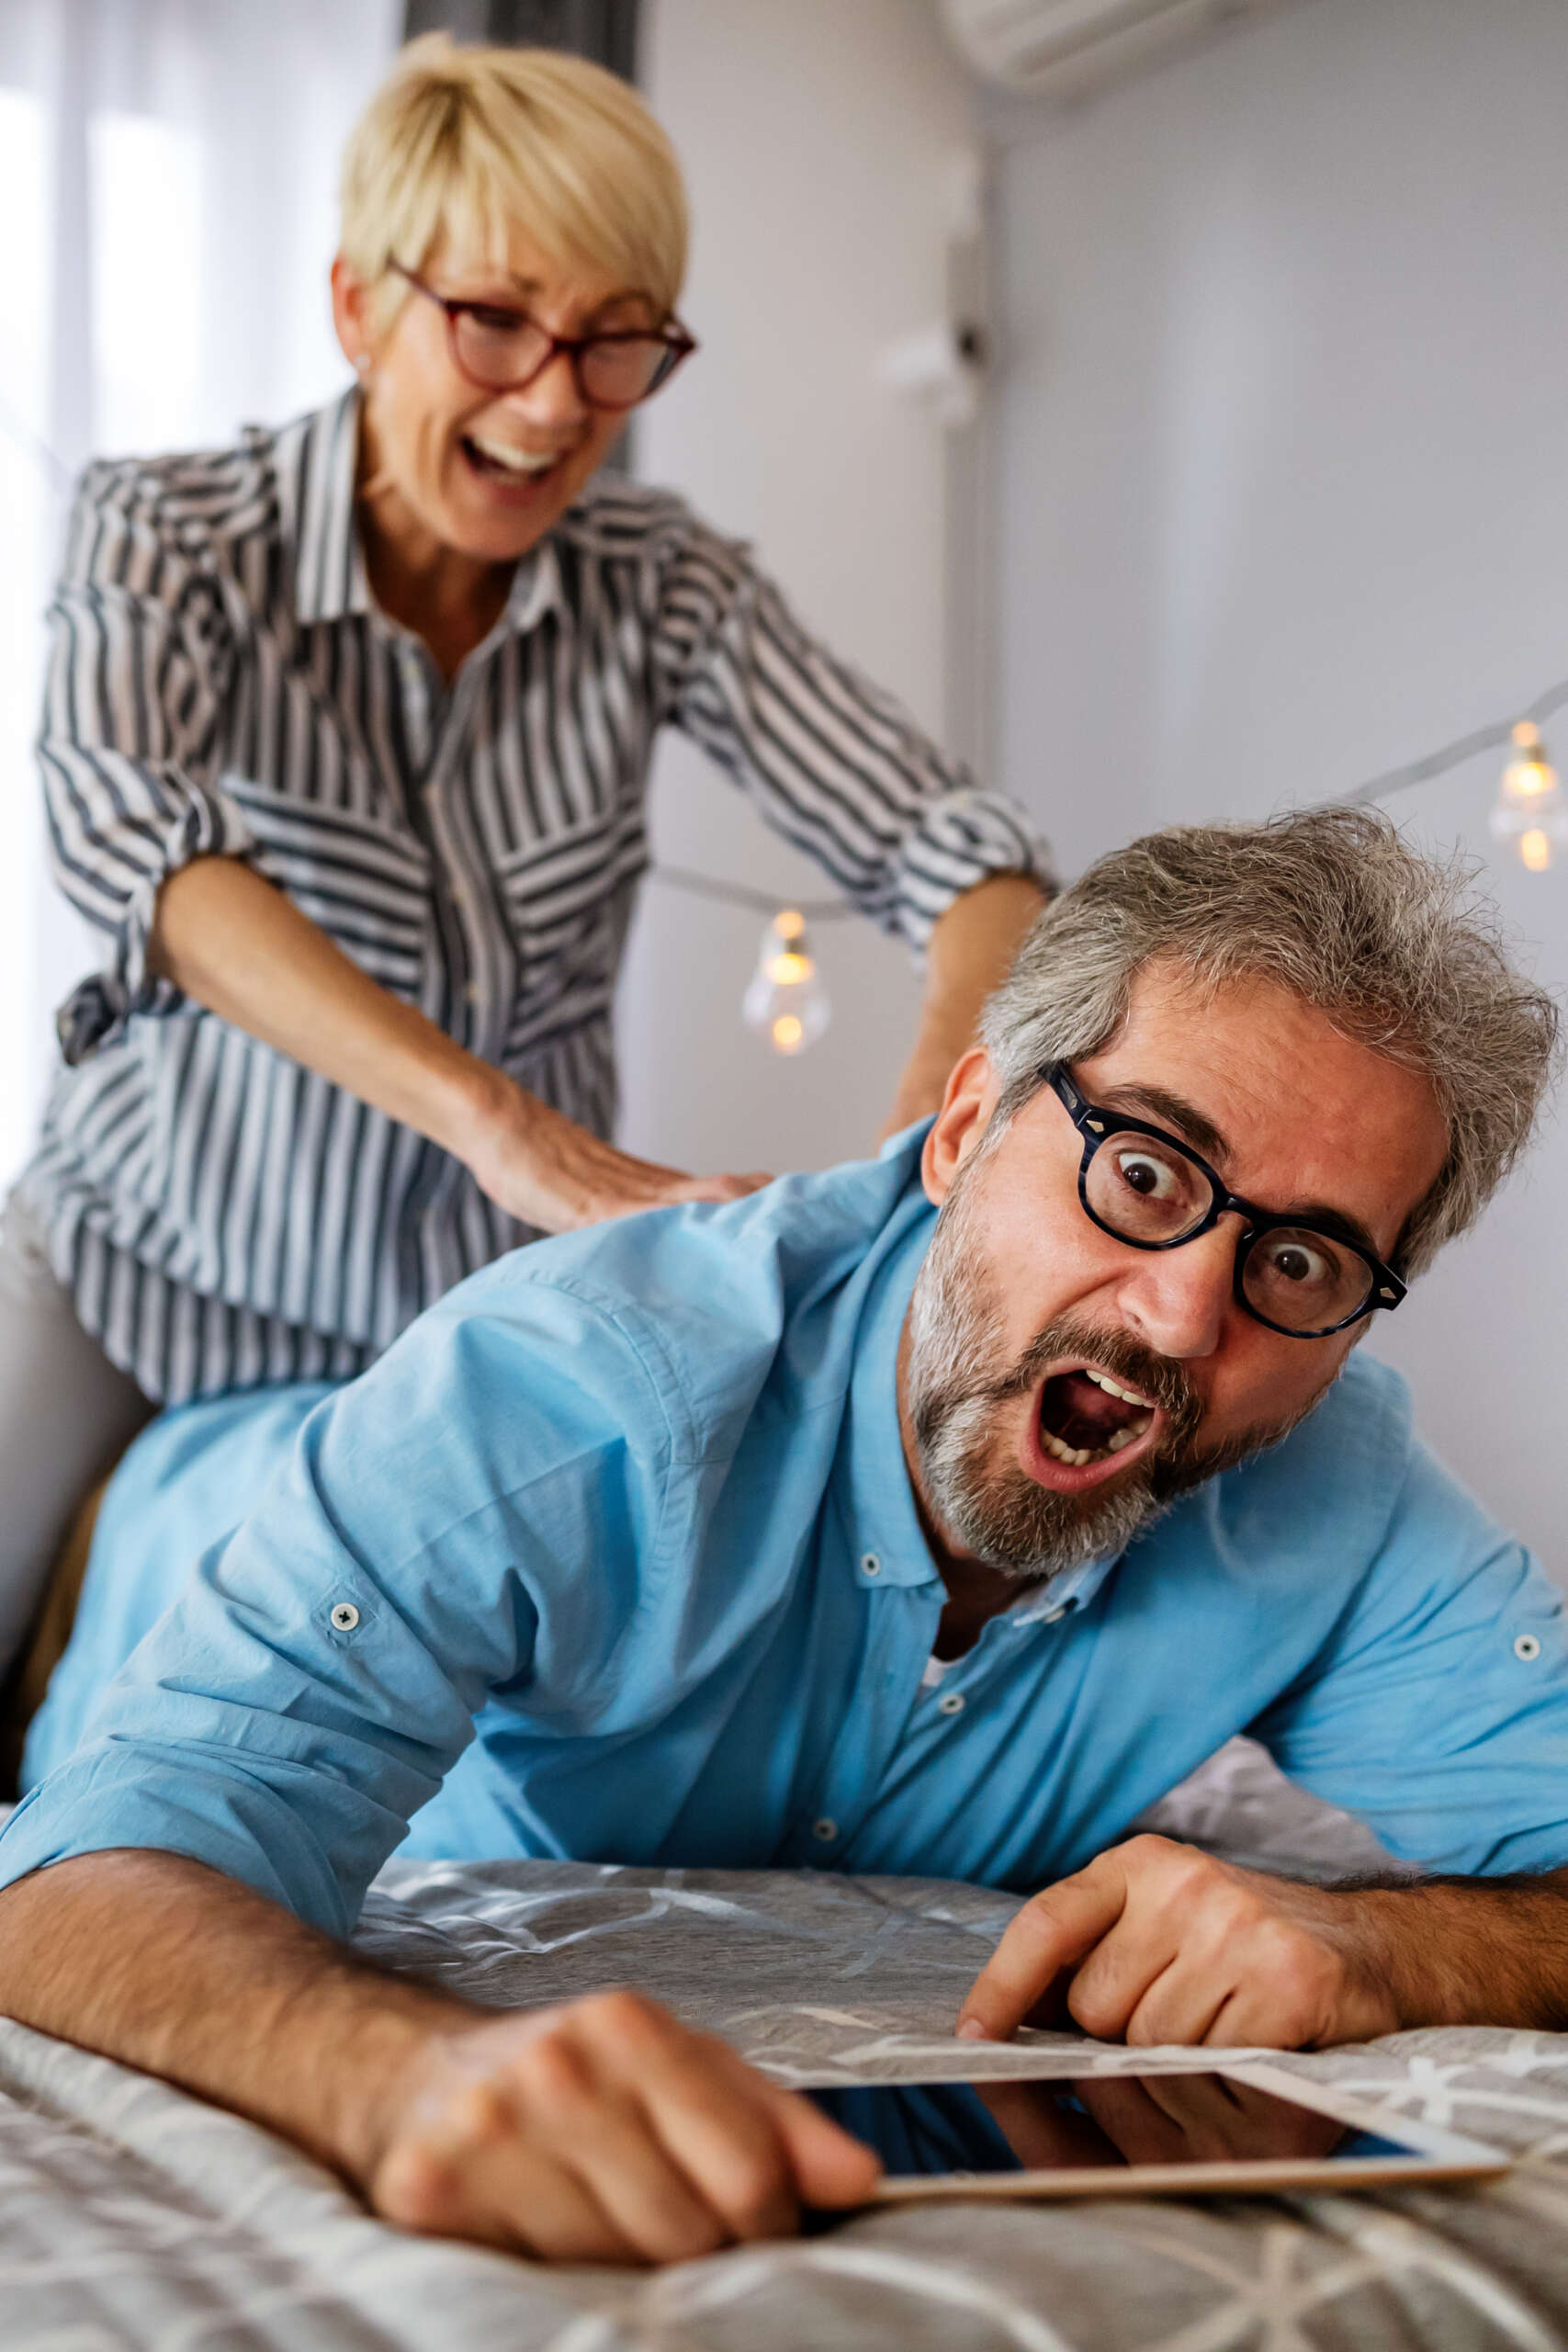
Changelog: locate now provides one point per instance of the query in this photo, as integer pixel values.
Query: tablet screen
(1104, 2121)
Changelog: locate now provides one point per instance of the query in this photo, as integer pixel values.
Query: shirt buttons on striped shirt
(951, 1703)
(824, 1831)
(345, 1617)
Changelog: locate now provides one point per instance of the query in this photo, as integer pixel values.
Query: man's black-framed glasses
(1147, 1188)
(502, 350)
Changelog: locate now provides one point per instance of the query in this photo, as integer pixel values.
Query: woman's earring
(362, 366)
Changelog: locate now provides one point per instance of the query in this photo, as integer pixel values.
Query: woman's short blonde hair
(480, 141)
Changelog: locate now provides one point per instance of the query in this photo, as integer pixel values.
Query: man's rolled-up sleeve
(832, 761)
(1437, 1713)
(321, 1672)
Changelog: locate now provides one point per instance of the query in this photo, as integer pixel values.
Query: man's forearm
(180, 1972)
(601, 2129)
(1470, 1951)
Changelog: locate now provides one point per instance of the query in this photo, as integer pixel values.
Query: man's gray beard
(1002, 1516)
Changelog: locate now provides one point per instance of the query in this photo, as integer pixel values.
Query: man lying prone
(933, 1515)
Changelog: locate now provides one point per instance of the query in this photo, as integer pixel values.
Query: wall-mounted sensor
(941, 366)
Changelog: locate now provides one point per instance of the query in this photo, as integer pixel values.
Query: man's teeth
(1113, 1387)
(517, 461)
(1077, 1456)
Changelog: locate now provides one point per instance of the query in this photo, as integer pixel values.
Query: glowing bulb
(1530, 816)
(1531, 776)
(785, 1002)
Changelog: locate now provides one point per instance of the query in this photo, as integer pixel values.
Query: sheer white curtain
(168, 177)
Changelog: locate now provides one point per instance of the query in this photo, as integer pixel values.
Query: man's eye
(1147, 1175)
(1298, 1263)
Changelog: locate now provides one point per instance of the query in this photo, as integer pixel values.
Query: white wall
(1283, 443)
(815, 137)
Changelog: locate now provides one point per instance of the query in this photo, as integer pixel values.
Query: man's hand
(1156, 1942)
(604, 2132)
(601, 2131)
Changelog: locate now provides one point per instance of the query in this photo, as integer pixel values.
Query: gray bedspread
(131, 2216)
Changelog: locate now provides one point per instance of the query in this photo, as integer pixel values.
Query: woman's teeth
(1077, 1456)
(517, 461)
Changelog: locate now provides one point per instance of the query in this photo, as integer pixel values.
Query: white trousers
(66, 1414)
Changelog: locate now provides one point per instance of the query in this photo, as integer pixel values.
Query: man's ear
(972, 1095)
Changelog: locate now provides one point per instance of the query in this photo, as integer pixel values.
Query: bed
(133, 2215)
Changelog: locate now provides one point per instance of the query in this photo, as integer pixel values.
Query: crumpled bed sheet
(133, 2215)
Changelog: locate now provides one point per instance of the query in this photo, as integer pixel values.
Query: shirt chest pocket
(364, 883)
(566, 901)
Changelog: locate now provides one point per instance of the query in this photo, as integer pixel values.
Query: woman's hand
(544, 1169)
(604, 2132)
(226, 938)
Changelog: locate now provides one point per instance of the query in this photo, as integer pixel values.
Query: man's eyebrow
(1334, 1222)
(1170, 1109)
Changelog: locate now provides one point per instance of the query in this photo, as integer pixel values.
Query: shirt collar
(880, 1502)
(330, 579)
(328, 568)
(884, 1520)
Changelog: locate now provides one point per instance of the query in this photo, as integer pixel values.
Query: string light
(1530, 816)
(785, 1001)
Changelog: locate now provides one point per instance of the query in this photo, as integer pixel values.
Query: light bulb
(785, 1002)
(1530, 816)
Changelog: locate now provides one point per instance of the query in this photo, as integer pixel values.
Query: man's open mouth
(1087, 1416)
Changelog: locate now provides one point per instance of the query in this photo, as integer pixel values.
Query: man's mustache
(1160, 1378)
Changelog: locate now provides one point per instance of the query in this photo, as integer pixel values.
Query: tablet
(1218, 2131)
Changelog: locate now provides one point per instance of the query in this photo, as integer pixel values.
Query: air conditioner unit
(1063, 48)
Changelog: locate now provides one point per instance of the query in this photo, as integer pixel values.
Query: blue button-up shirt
(625, 1524)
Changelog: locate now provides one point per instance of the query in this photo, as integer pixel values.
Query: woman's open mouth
(516, 473)
(1087, 1425)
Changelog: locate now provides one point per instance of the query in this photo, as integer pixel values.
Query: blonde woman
(344, 744)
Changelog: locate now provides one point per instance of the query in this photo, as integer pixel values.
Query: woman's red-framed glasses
(501, 350)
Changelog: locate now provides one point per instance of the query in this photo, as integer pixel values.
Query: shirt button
(345, 1617)
(870, 1564)
(951, 1703)
(825, 1831)
(1527, 1648)
(471, 993)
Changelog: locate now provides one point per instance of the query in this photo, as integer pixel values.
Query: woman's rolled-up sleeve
(832, 761)
(140, 658)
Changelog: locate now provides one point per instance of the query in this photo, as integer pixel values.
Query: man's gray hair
(1331, 905)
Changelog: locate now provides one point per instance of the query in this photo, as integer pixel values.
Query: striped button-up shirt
(221, 682)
